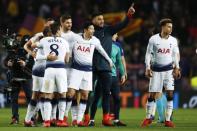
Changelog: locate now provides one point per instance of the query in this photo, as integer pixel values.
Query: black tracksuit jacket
(105, 34)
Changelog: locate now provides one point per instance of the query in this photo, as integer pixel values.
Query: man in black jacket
(19, 65)
(101, 69)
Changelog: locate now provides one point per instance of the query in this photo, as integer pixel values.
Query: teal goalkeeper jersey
(116, 58)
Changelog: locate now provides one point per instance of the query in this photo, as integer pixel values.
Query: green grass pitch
(184, 119)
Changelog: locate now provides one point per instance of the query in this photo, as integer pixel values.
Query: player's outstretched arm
(29, 49)
(131, 11)
(119, 26)
(103, 52)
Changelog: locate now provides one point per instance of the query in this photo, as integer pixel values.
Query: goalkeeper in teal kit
(115, 88)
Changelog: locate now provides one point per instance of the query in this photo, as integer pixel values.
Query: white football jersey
(54, 45)
(82, 52)
(161, 51)
(39, 51)
(70, 37)
(40, 62)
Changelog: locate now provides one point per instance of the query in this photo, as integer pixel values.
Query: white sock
(68, 106)
(74, 110)
(47, 110)
(80, 112)
(169, 110)
(36, 109)
(30, 112)
(42, 109)
(149, 109)
(154, 109)
(61, 107)
(54, 112)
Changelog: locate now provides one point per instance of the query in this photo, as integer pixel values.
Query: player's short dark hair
(96, 13)
(87, 24)
(165, 21)
(47, 30)
(54, 27)
(65, 17)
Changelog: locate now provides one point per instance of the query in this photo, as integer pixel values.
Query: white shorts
(37, 83)
(39, 68)
(68, 77)
(55, 79)
(161, 80)
(80, 80)
(68, 70)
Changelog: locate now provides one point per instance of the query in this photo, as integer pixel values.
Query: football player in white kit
(55, 77)
(162, 66)
(81, 68)
(66, 32)
(37, 73)
(70, 36)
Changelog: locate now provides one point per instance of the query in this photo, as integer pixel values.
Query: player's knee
(70, 94)
(48, 96)
(84, 96)
(41, 95)
(34, 96)
(62, 95)
(158, 95)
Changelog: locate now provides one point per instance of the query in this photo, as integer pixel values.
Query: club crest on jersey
(163, 50)
(83, 48)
